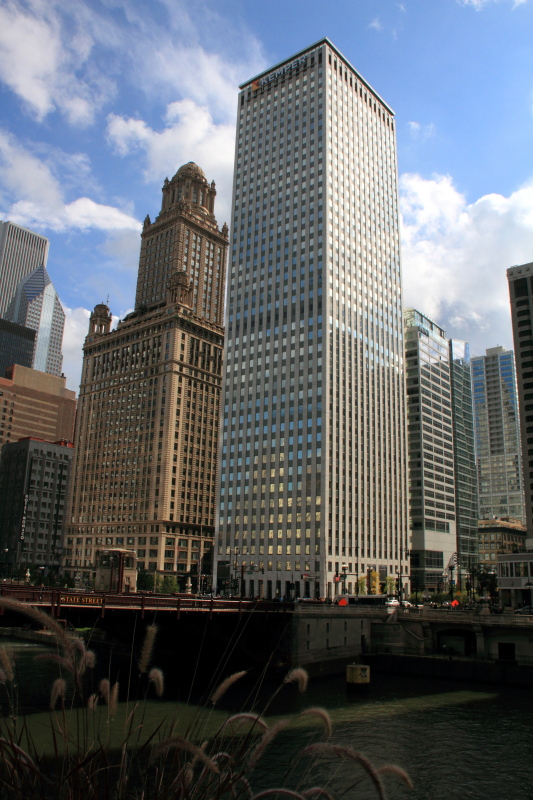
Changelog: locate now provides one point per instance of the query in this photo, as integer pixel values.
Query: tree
(391, 584)
(374, 583)
(362, 584)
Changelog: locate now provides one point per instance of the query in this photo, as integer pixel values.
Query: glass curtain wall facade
(21, 251)
(431, 454)
(497, 432)
(36, 305)
(313, 489)
(521, 295)
(466, 505)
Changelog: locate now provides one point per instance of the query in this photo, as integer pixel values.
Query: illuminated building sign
(279, 73)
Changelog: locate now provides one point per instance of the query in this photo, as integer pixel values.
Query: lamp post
(529, 585)
(344, 568)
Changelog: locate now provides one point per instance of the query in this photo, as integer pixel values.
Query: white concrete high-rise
(313, 489)
(21, 251)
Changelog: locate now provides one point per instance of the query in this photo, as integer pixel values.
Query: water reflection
(456, 740)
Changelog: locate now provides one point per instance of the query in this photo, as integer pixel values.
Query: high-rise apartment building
(464, 455)
(432, 501)
(147, 427)
(497, 435)
(36, 305)
(313, 473)
(521, 293)
(21, 251)
(35, 404)
(33, 489)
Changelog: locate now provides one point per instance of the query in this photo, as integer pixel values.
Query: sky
(100, 100)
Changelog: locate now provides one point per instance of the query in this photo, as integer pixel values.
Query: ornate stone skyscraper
(147, 427)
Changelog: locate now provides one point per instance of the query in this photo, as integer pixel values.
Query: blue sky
(100, 100)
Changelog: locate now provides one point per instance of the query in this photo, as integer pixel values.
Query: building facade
(504, 535)
(21, 251)
(521, 295)
(313, 473)
(35, 404)
(34, 478)
(36, 305)
(497, 435)
(464, 455)
(17, 344)
(432, 500)
(148, 420)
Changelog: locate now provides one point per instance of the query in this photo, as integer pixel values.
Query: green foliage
(375, 587)
(390, 584)
(362, 584)
(169, 584)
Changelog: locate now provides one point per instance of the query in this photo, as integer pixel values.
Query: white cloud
(189, 134)
(76, 329)
(40, 203)
(421, 132)
(455, 256)
(376, 24)
(479, 4)
(44, 61)
(67, 57)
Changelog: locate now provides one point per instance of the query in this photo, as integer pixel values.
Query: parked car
(524, 610)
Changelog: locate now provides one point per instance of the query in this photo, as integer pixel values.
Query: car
(524, 610)
(392, 602)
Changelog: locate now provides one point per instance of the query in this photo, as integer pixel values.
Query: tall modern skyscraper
(17, 345)
(464, 455)
(36, 305)
(21, 251)
(497, 435)
(431, 453)
(313, 474)
(148, 417)
(521, 293)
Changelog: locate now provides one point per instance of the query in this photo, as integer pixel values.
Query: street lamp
(530, 587)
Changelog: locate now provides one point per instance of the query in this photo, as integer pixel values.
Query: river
(455, 740)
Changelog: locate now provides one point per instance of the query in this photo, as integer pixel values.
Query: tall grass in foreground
(91, 746)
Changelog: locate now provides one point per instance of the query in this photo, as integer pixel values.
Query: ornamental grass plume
(59, 688)
(125, 752)
(224, 686)
(147, 648)
(156, 677)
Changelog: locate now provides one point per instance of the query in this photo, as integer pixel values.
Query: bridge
(321, 637)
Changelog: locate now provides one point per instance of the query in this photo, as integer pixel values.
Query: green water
(455, 740)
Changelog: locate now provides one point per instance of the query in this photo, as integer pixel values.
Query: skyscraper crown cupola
(189, 185)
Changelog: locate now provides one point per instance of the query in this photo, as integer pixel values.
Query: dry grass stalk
(6, 659)
(225, 685)
(179, 743)
(105, 688)
(147, 648)
(92, 702)
(398, 772)
(113, 700)
(298, 675)
(156, 677)
(267, 739)
(43, 619)
(59, 688)
(324, 717)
